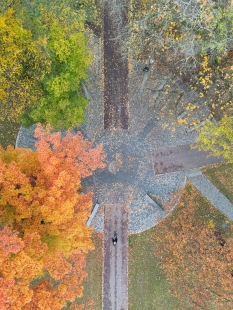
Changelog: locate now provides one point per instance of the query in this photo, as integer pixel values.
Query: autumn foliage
(43, 216)
(196, 256)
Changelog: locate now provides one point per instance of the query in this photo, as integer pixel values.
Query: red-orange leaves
(73, 151)
(40, 197)
(57, 266)
(195, 255)
(9, 242)
(13, 296)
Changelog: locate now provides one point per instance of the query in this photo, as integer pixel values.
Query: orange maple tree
(43, 215)
(196, 257)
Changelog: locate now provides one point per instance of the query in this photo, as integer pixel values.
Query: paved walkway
(115, 70)
(203, 184)
(115, 269)
(115, 275)
(181, 157)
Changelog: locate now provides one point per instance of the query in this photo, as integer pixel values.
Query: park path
(115, 275)
(115, 258)
(217, 199)
(115, 70)
(182, 157)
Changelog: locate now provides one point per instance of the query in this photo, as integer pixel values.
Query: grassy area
(222, 177)
(93, 283)
(148, 287)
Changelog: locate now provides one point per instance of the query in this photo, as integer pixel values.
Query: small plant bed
(221, 177)
(196, 253)
(147, 284)
(93, 283)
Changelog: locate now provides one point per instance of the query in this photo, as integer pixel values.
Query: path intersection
(148, 148)
(139, 162)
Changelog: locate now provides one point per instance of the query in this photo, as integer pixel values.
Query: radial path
(115, 69)
(181, 157)
(115, 258)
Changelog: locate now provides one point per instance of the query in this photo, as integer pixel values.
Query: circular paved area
(129, 172)
(129, 160)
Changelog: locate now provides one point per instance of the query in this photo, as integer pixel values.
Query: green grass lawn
(93, 283)
(222, 177)
(148, 287)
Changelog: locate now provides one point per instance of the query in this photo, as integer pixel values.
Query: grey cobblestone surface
(129, 163)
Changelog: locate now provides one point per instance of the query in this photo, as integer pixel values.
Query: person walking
(114, 239)
(146, 69)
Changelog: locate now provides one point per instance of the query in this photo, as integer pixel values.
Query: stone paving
(115, 70)
(115, 265)
(181, 157)
(129, 152)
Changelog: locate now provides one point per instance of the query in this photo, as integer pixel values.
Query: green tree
(24, 63)
(217, 140)
(55, 31)
(60, 105)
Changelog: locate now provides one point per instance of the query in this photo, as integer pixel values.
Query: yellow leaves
(211, 224)
(21, 266)
(182, 121)
(18, 48)
(58, 244)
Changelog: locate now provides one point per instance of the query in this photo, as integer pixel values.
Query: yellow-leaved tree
(217, 139)
(24, 63)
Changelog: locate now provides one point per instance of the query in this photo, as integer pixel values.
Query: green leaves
(50, 57)
(217, 140)
(60, 105)
(59, 113)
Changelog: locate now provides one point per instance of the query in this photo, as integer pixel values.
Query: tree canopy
(24, 62)
(217, 139)
(43, 216)
(47, 44)
(184, 29)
